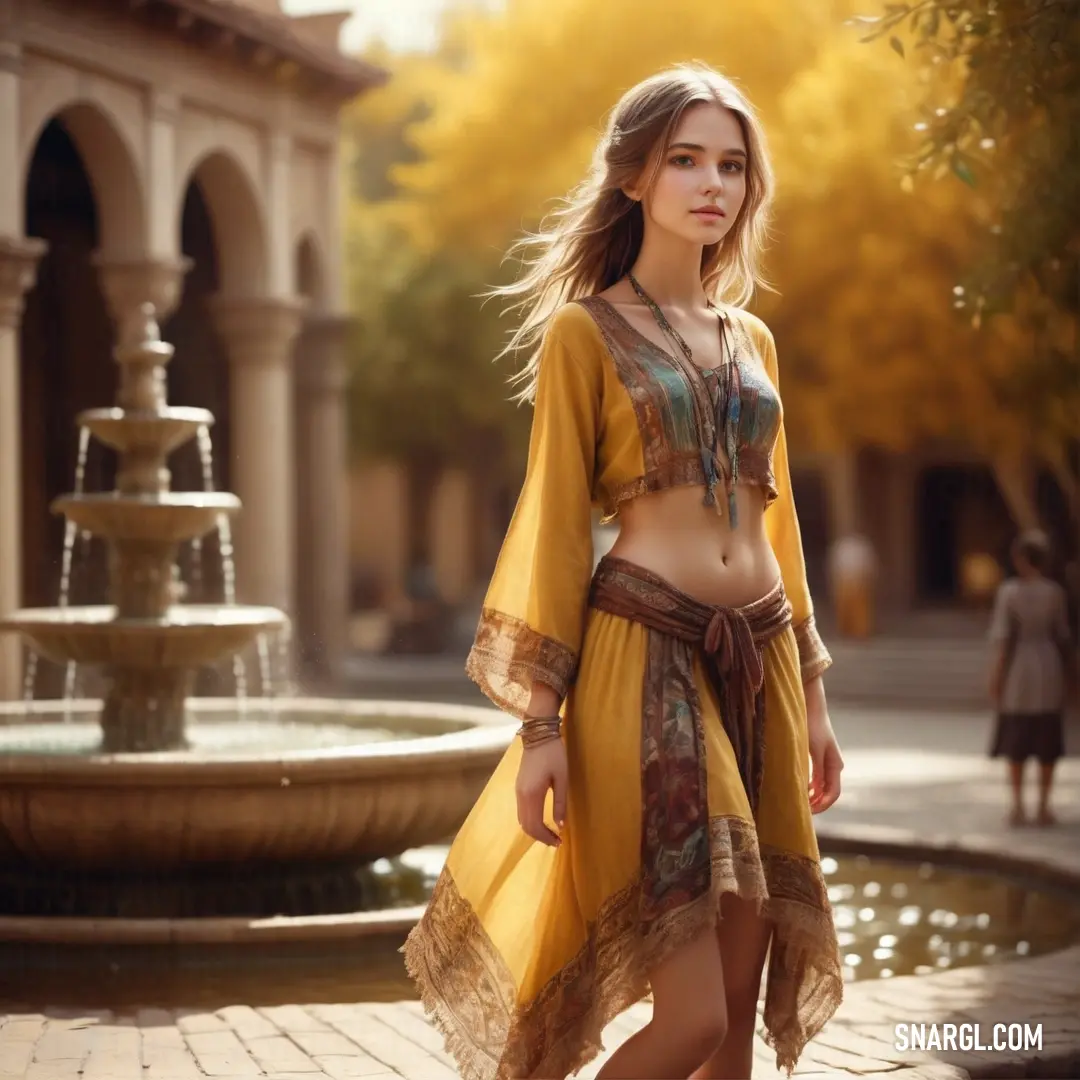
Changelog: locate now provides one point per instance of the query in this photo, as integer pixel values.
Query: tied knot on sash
(729, 641)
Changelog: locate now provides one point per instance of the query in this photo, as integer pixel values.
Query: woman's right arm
(534, 610)
(544, 700)
(528, 642)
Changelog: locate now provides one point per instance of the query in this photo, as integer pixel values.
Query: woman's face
(701, 183)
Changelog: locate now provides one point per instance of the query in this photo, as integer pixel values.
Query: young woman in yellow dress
(651, 829)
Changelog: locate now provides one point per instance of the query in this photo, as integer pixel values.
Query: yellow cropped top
(614, 417)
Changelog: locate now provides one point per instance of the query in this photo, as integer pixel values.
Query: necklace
(725, 417)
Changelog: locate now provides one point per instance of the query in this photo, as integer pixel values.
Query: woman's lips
(710, 212)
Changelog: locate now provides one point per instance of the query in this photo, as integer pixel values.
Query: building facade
(183, 153)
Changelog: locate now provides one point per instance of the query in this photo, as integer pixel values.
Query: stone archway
(109, 162)
(82, 197)
(222, 233)
(235, 211)
(65, 347)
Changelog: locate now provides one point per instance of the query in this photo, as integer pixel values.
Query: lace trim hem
(508, 656)
(470, 995)
(814, 658)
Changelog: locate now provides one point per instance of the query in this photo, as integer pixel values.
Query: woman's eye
(682, 159)
(733, 166)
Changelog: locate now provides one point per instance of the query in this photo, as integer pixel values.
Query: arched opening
(239, 231)
(199, 376)
(199, 372)
(221, 233)
(66, 356)
(110, 174)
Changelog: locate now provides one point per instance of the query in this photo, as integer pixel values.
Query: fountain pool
(895, 918)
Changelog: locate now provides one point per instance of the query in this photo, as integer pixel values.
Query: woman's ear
(638, 187)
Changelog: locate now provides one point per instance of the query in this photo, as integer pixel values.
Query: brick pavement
(924, 783)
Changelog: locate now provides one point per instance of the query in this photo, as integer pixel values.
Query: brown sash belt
(675, 829)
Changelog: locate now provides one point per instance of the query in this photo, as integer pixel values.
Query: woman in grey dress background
(1031, 672)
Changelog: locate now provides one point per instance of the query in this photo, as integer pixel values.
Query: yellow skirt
(526, 952)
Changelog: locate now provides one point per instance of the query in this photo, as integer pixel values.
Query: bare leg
(744, 941)
(688, 1022)
(1046, 782)
(1016, 778)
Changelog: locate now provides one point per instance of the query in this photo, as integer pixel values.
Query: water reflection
(927, 918)
(891, 918)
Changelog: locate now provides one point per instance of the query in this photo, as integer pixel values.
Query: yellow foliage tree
(871, 351)
(514, 125)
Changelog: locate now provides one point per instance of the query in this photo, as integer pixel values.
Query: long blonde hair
(594, 237)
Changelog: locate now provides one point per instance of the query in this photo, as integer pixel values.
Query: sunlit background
(925, 306)
(342, 182)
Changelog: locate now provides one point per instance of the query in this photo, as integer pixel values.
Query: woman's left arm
(782, 527)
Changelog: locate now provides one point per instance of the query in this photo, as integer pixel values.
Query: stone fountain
(147, 644)
(177, 801)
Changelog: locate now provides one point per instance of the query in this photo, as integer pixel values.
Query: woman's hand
(826, 763)
(542, 768)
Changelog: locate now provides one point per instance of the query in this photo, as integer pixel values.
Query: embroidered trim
(683, 470)
(670, 439)
(508, 656)
(470, 996)
(814, 658)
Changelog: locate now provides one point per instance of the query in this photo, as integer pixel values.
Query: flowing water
(206, 463)
(893, 919)
(266, 679)
(71, 534)
(225, 546)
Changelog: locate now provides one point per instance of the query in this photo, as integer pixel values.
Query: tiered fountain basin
(274, 788)
(188, 636)
(159, 430)
(170, 518)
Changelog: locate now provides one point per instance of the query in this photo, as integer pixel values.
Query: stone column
(322, 522)
(18, 265)
(258, 335)
(129, 283)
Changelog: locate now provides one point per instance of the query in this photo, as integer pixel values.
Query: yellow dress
(525, 952)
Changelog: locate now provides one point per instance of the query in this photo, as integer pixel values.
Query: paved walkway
(919, 779)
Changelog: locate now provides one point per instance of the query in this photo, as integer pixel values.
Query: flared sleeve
(534, 610)
(782, 528)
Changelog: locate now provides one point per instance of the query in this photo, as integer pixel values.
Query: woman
(1030, 672)
(670, 700)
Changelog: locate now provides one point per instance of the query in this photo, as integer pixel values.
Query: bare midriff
(692, 546)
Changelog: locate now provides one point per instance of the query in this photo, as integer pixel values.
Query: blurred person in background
(1031, 669)
(853, 572)
(651, 826)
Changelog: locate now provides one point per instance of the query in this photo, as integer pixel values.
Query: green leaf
(961, 168)
(897, 45)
